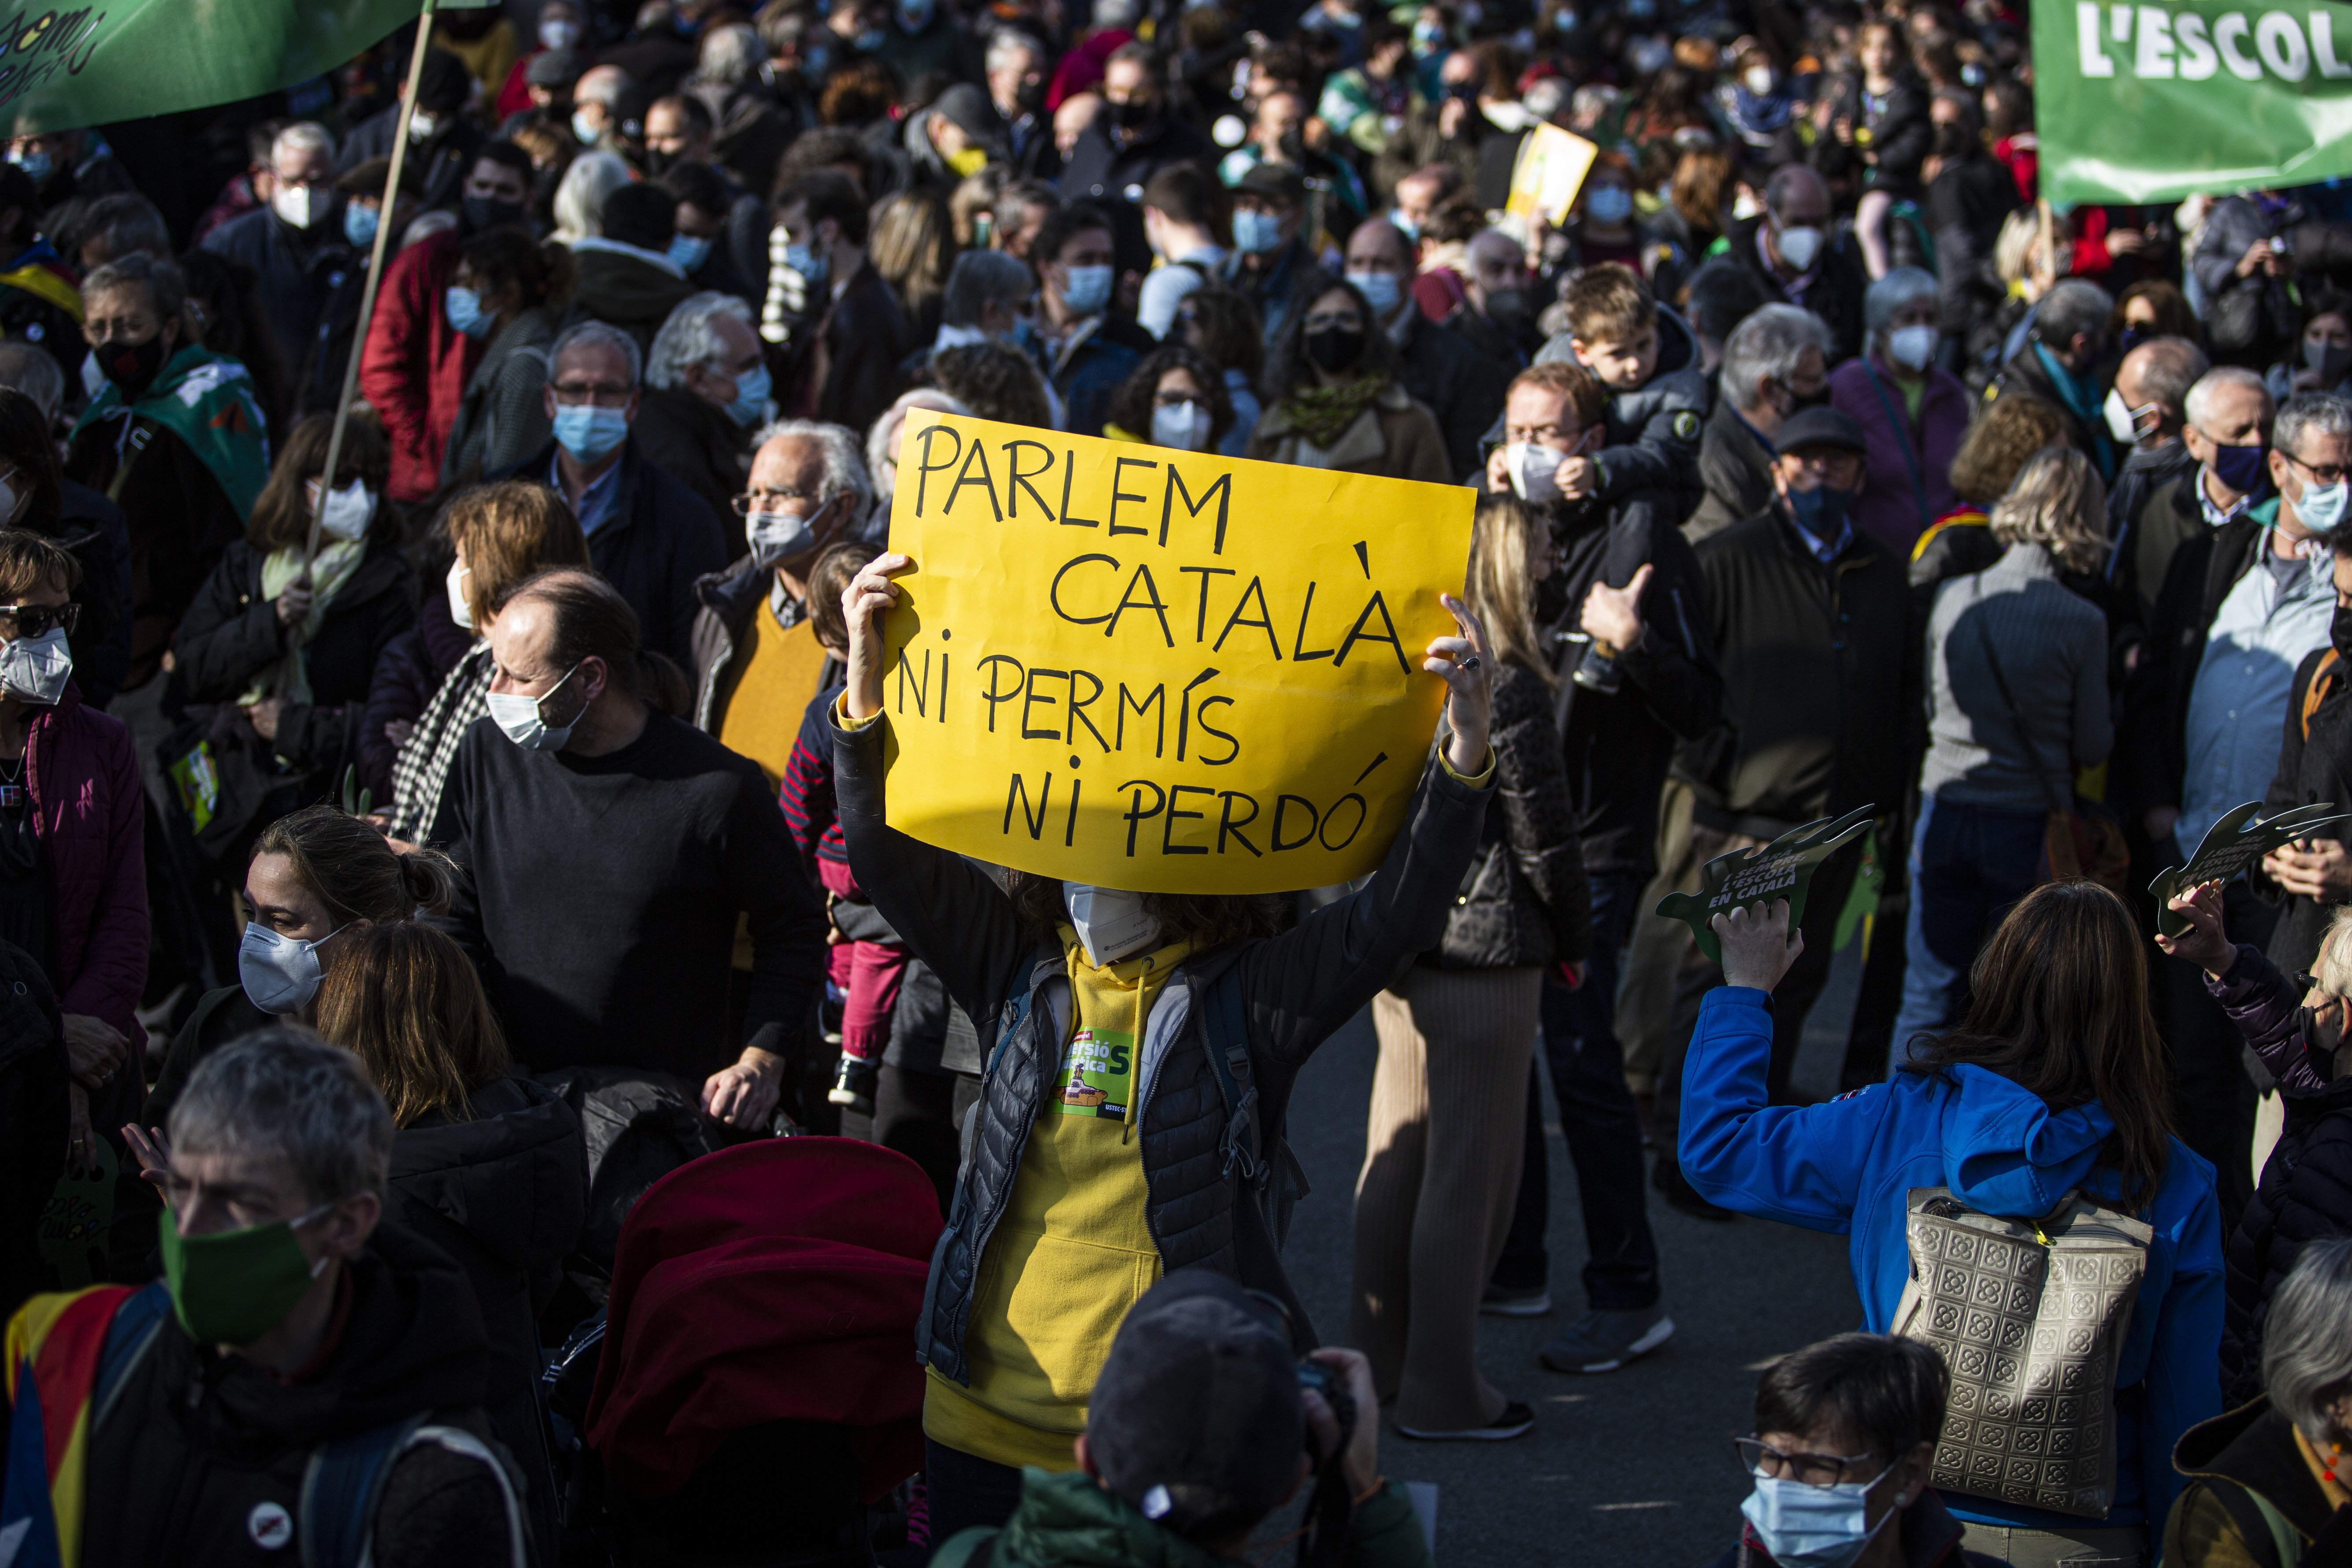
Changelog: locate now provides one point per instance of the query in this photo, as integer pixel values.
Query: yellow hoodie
(1072, 1252)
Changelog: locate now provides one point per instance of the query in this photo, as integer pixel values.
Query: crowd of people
(485, 1081)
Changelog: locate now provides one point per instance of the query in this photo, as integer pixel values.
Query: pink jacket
(84, 774)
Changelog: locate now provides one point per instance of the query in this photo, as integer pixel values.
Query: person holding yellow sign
(1140, 1045)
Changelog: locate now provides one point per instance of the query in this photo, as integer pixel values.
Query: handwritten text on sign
(1160, 670)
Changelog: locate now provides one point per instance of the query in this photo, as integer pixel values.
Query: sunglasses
(35, 620)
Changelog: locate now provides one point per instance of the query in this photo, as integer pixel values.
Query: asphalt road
(1630, 1468)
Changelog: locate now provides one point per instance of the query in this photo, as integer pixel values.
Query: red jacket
(414, 367)
(778, 1280)
(84, 774)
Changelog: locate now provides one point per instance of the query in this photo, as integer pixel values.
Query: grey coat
(503, 418)
(1296, 989)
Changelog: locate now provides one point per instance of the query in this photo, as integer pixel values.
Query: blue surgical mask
(1821, 511)
(1813, 1527)
(753, 390)
(1609, 203)
(1404, 226)
(585, 128)
(806, 261)
(2321, 506)
(36, 162)
(1256, 232)
(1381, 290)
(1427, 37)
(688, 253)
(360, 223)
(869, 40)
(1088, 292)
(465, 308)
(588, 432)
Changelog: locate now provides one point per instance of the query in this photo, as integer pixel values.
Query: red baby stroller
(756, 1390)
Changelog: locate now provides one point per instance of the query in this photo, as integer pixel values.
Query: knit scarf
(289, 677)
(1322, 414)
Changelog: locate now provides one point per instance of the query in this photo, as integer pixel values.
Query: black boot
(853, 1085)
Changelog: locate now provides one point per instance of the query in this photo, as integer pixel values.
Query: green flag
(126, 60)
(2152, 103)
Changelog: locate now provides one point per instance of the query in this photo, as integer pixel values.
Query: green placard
(1781, 869)
(2231, 845)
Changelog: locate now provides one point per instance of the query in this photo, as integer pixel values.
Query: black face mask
(658, 164)
(1335, 348)
(2339, 631)
(1029, 95)
(487, 212)
(1802, 400)
(133, 367)
(1951, 140)
(1506, 307)
(1134, 114)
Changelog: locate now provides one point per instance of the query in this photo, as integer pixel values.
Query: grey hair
(1007, 42)
(687, 338)
(731, 55)
(34, 372)
(1488, 239)
(128, 221)
(594, 87)
(2333, 967)
(1901, 288)
(844, 470)
(984, 277)
(1595, 100)
(877, 439)
(1770, 343)
(2057, 501)
(303, 136)
(1122, 14)
(2307, 1338)
(2169, 368)
(2199, 403)
(1546, 97)
(282, 1093)
(2070, 309)
(579, 196)
(597, 334)
(143, 269)
(2310, 414)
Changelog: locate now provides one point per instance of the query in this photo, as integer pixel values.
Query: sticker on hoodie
(1097, 1074)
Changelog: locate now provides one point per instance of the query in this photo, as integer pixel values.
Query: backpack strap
(1226, 1023)
(2323, 683)
(2270, 1540)
(341, 1487)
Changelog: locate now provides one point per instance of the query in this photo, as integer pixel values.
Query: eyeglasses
(2331, 474)
(1762, 1459)
(35, 620)
(603, 395)
(765, 501)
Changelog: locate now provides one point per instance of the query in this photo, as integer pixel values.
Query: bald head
(2154, 381)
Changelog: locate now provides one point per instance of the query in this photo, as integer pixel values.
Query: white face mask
(2321, 506)
(1911, 347)
(557, 33)
(348, 509)
(421, 124)
(279, 973)
(461, 612)
(1183, 425)
(93, 379)
(1535, 471)
(1758, 80)
(519, 717)
(300, 205)
(1111, 922)
(1799, 246)
(34, 670)
(2119, 415)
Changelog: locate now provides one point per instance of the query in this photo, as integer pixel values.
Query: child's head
(1612, 325)
(827, 580)
(1883, 49)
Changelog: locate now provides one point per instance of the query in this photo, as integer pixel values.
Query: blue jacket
(1848, 1166)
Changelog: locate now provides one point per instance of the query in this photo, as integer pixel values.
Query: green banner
(2152, 103)
(60, 70)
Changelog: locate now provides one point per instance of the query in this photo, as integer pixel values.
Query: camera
(1331, 1383)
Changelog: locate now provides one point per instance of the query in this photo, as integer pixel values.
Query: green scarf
(1321, 415)
(207, 400)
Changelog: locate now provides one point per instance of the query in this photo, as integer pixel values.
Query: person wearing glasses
(73, 879)
(1845, 1431)
(1334, 400)
(648, 534)
(757, 662)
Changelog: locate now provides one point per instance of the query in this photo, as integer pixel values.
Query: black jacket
(1463, 387)
(865, 335)
(231, 633)
(2313, 770)
(696, 443)
(1736, 466)
(179, 518)
(1900, 134)
(194, 1443)
(2248, 1449)
(1840, 281)
(659, 537)
(1968, 201)
(504, 1193)
(95, 530)
(300, 275)
(1821, 680)
(2203, 570)
(33, 1090)
(625, 292)
(1100, 170)
(1296, 989)
(1525, 900)
(1618, 744)
(439, 167)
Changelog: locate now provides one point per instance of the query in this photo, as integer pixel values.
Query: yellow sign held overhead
(1549, 171)
(1160, 670)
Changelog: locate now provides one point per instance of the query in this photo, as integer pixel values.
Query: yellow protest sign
(1160, 670)
(1549, 171)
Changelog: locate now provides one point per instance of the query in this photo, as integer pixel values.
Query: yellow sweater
(771, 698)
(1072, 1252)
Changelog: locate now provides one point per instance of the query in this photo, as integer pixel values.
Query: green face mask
(233, 1285)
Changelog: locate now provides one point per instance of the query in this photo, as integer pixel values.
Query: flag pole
(367, 290)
